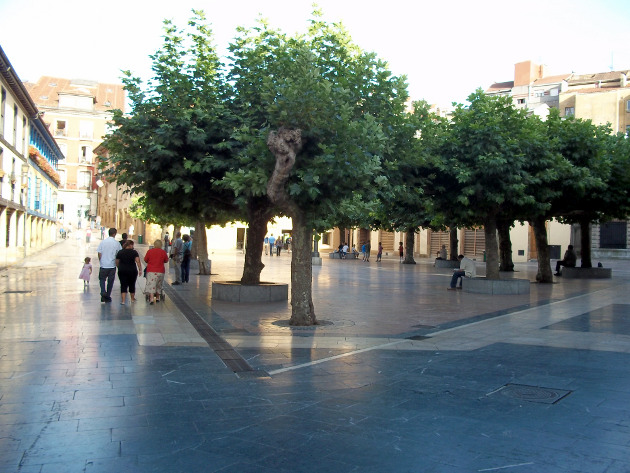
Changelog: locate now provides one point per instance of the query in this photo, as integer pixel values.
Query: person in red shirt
(155, 258)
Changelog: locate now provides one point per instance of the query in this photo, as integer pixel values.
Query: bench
(349, 255)
(586, 273)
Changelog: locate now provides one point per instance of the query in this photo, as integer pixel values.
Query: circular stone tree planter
(234, 291)
(446, 263)
(495, 286)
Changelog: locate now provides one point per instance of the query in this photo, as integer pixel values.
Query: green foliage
(176, 144)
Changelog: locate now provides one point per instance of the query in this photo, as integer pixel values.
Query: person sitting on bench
(569, 260)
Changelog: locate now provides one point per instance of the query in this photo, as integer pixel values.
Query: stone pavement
(401, 376)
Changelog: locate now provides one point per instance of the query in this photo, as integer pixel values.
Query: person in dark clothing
(129, 268)
(569, 260)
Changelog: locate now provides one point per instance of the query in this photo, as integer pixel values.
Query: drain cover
(523, 392)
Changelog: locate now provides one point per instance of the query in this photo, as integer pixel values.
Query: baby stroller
(146, 296)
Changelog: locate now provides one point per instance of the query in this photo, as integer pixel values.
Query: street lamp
(24, 197)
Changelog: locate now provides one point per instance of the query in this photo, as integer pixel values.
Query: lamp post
(24, 197)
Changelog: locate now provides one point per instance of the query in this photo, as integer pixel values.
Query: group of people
(273, 244)
(121, 257)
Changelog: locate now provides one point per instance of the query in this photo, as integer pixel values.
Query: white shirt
(107, 250)
(468, 266)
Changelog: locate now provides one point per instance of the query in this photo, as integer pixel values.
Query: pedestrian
(167, 242)
(363, 251)
(265, 244)
(131, 230)
(129, 268)
(186, 256)
(177, 254)
(278, 246)
(107, 250)
(466, 268)
(380, 252)
(272, 243)
(401, 251)
(102, 233)
(155, 258)
(88, 234)
(86, 271)
(569, 260)
(368, 249)
(123, 239)
(345, 250)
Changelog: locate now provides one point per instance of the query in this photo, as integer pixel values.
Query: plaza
(401, 375)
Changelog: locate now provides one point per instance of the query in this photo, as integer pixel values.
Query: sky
(446, 49)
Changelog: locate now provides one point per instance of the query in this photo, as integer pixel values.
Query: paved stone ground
(403, 376)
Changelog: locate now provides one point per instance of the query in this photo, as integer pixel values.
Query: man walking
(178, 256)
(107, 250)
(272, 243)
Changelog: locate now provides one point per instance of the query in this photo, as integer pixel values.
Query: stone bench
(446, 263)
(495, 286)
(348, 256)
(234, 291)
(586, 273)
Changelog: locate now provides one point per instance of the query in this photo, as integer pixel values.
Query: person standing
(368, 249)
(272, 242)
(129, 268)
(278, 246)
(380, 252)
(466, 268)
(167, 242)
(86, 271)
(266, 244)
(186, 255)
(107, 250)
(401, 251)
(155, 258)
(123, 239)
(177, 252)
(88, 234)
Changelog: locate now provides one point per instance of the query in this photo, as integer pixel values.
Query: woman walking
(155, 258)
(129, 268)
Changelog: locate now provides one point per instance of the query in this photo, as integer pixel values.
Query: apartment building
(78, 113)
(28, 171)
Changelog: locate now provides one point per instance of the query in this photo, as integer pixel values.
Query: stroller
(146, 296)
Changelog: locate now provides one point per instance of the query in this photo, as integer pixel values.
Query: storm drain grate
(523, 392)
(223, 349)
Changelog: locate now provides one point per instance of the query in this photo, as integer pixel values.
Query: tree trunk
(453, 243)
(409, 244)
(505, 246)
(259, 212)
(585, 230)
(284, 145)
(202, 247)
(492, 249)
(544, 274)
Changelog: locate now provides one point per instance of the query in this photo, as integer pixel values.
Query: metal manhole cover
(17, 292)
(523, 392)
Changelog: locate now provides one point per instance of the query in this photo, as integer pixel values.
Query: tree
(176, 145)
(318, 101)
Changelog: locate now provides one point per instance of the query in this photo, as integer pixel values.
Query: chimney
(527, 72)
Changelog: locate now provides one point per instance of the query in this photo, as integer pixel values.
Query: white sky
(446, 49)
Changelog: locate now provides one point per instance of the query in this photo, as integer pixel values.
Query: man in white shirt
(107, 250)
(466, 268)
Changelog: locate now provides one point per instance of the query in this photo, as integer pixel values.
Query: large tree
(176, 144)
(318, 102)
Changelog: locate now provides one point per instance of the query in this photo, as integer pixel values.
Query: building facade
(78, 114)
(28, 172)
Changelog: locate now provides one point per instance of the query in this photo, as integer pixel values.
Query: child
(86, 271)
(401, 251)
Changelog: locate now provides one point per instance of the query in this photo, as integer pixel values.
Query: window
(520, 101)
(569, 111)
(3, 106)
(62, 177)
(627, 105)
(86, 154)
(15, 124)
(60, 128)
(85, 179)
(24, 137)
(86, 130)
(627, 131)
(64, 149)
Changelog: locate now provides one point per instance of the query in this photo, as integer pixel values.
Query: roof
(552, 79)
(45, 92)
(599, 76)
(595, 90)
(500, 86)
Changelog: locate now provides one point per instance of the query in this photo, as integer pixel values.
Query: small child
(86, 271)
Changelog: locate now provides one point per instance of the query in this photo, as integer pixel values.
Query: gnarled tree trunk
(453, 243)
(201, 239)
(492, 249)
(409, 244)
(284, 145)
(544, 274)
(585, 241)
(505, 246)
(259, 212)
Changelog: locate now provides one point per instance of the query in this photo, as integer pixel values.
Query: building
(78, 113)
(28, 171)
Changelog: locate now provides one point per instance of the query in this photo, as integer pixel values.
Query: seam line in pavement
(221, 348)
